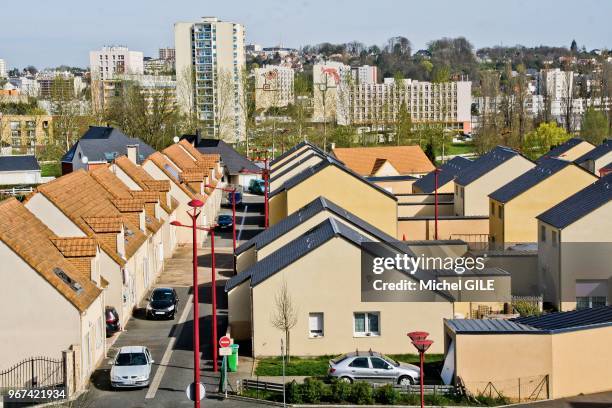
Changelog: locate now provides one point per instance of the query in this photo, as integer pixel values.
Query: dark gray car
(372, 366)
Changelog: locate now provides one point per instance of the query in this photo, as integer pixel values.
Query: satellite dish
(84, 160)
(176, 139)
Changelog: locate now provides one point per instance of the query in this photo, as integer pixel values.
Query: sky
(48, 33)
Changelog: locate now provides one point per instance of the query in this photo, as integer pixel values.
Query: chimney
(132, 153)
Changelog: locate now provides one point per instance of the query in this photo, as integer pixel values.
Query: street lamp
(233, 191)
(196, 204)
(421, 344)
(265, 172)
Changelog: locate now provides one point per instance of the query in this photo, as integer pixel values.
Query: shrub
(361, 393)
(294, 393)
(525, 308)
(312, 390)
(386, 395)
(340, 391)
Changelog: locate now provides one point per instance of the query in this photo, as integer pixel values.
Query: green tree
(540, 140)
(594, 126)
(441, 73)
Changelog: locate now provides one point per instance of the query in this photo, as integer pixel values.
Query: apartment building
(273, 87)
(20, 134)
(2, 68)
(158, 90)
(575, 248)
(515, 206)
(210, 59)
(326, 80)
(113, 60)
(59, 84)
(364, 74)
(167, 53)
(448, 103)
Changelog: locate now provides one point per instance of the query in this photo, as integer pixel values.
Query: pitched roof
(230, 158)
(307, 243)
(179, 157)
(30, 239)
(310, 210)
(597, 152)
(559, 150)
(580, 204)
(294, 149)
(547, 166)
(484, 164)
(18, 163)
(278, 173)
(110, 182)
(550, 323)
(140, 176)
(375, 179)
(172, 173)
(75, 246)
(448, 171)
(103, 144)
(328, 161)
(367, 160)
(89, 206)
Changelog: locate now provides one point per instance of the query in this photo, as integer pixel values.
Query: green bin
(232, 360)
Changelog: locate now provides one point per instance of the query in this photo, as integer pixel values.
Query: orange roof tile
(29, 238)
(157, 185)
(76, 247)
(146, 196)
(170, 171)
(129, 204)
(179, 157)
(104, 224)
(110, 182)
(405, 159)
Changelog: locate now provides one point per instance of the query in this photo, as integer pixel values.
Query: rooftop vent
(74, 285)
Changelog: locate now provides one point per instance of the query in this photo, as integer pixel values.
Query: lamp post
(421, 344)
(436, 172)
(233, 191)
(195, 204)
(265, 172)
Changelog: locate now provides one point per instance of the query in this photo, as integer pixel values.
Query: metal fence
(531, 388)
(34, 372)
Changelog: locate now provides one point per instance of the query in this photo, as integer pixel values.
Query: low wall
(423, 228)
(424, 198)
(424, 209)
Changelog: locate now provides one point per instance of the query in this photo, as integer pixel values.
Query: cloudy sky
(49, 33)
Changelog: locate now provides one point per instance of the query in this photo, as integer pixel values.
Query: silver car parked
(131, 367)
(372, 366)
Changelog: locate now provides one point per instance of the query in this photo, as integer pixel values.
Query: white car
(131, 367)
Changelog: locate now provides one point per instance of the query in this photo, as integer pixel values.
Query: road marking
(244, 212)
(159, 374)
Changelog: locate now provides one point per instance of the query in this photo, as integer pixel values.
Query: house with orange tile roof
(76, 205)
(385, 160)
(51, 292)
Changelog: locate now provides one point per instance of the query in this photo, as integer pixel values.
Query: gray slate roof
(276, 174)
(562, 148)
(307, 243)
(18, 163)
(448, 171)
(328, 161)
(485, 164)
(230, 158)
(580, 204)
(400, 177)
(546, 167)
(597, 152)
(544, 324)
(104, 144)
(308, 211)
(295, 148)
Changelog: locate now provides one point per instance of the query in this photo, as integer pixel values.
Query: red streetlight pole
(421, 344)
(436, 172)
(265, 172)
(233, 191)
(195, 204)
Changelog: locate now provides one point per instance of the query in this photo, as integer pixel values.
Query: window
(587, 302)
(542, 233)
(315, 323)
(554, 238)
(366, 324)
(500, 211)
(360, 362)
(379, 363)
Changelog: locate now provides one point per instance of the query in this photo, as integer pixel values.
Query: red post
(234, 223)
(196, 312)
(421, 354)
(214, 300)
(436, 171)
(266, 188)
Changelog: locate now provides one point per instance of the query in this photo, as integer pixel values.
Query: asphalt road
(171, 341)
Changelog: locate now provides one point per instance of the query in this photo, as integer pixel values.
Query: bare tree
(285, 314)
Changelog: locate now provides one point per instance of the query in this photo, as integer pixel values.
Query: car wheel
(347, 380)
(405, 381)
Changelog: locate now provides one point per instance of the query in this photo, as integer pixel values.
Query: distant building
(150, 86)
(19, 170)
(2, 68)
(326, 79)
(167, 54)
(210, 59)
(64, 82)
(27, 86)
(273, 87)
(20, 134)
(112, 60)
(365, 74)
(158, 66)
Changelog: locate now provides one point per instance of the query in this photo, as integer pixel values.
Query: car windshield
(131, 359)
(390, 360)
(225, 218)
(162, 295)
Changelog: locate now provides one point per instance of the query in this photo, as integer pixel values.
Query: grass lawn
(317, 366)
(456, 148)
(51, 169)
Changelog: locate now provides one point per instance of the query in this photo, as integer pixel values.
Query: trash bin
(232, 360)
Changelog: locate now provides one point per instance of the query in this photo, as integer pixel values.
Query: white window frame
(367, 332)
(321, 317)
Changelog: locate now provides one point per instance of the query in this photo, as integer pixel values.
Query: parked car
(131, 367)
(372, 366)
(162, 303)
(230, 197)
(224, 221)
(257, 186)
(112, 321)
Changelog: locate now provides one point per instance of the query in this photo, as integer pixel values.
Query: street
(171, 341)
